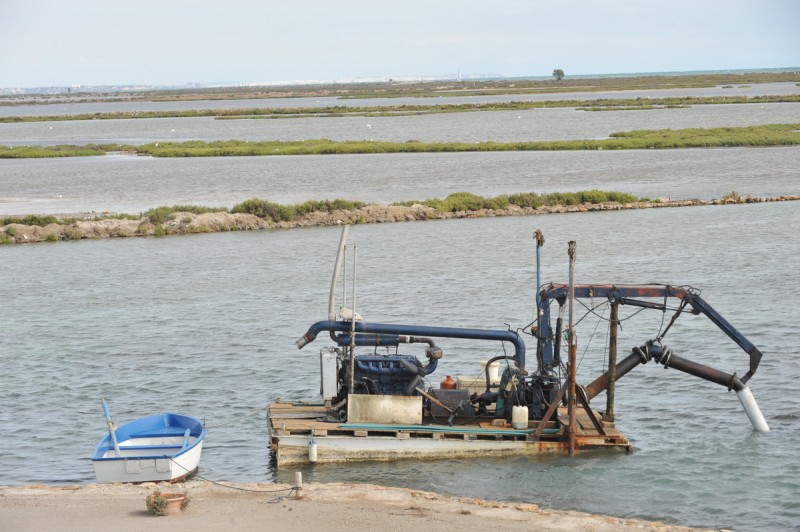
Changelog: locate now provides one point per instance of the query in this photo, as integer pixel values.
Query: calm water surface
(134, 184)
(206, 325)
(498, 126)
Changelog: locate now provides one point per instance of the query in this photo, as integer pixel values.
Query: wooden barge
(294, 426)
(379, 405)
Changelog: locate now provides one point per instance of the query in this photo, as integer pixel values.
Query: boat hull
(165, 447)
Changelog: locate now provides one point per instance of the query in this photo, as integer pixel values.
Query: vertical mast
(353, 326)
(539, 237)
(335, 278)
(571, 395)
(612, 362)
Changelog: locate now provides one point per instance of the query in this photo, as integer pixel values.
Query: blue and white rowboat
(164, 447)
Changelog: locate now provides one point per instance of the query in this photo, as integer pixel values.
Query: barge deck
(293, 426)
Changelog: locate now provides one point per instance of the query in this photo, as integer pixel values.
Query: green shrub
(159, 215)
(72, 233)
(463, 201)
(526, 200)
(326, 206)
(31, 219)
(732, 196)
(264, 209)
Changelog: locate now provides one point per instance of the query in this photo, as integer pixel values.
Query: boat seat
(140, 447)
(186, 439)
(162, 433)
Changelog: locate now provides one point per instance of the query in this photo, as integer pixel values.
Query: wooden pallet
(304, 419)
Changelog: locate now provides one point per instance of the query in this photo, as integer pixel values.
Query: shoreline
(183, 223)
(337, 506)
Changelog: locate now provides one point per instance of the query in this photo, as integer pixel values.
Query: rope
(591, 336)
(290, 490)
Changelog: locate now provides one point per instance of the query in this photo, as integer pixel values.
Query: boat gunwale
(125, 433)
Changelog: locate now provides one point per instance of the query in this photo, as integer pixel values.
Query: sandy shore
(274, 507)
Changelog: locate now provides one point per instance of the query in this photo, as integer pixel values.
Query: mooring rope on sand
(197, 475)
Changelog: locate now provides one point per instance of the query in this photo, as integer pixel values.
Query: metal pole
(335, 277)
(612, 362)
(571, 395)
(353, 326)
(344, 280)
(539, 237)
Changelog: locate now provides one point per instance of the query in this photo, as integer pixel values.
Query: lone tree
(558, 74)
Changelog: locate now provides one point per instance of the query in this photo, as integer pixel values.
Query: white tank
(494, 370)
(519, 417)
(312, 452)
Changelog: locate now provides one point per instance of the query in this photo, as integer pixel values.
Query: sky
(162, 42)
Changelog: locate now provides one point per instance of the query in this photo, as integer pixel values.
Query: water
(500, 126)
(134, 184)
(206, 325)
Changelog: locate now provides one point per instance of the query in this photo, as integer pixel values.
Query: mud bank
(183, 223)
(275, 507)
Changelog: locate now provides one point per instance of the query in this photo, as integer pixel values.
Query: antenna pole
(573, 350)
(353, 326)
(539, 237)
(335, 278)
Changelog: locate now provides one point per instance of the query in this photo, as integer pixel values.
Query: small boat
(159, 448)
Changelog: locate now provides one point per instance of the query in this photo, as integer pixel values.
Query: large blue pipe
(416, 330)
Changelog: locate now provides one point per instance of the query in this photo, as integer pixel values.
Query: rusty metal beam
(550, 411)
(584, 401)
(573, 350)
(612, 361)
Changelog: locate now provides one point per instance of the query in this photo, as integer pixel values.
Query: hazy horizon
(400, 79)
(177, 42)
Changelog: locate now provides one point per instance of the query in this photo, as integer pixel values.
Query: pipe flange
(666, 355)
(434, 353)
(580, 390)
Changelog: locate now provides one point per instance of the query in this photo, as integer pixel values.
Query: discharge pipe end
(752, 410)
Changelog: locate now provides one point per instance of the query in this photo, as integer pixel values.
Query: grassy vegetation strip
(568, 84)
(768, 135)
(62, 150)
(434, 88)
(408, 109)
(261, 214)
(276, 212)
(468, 202)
